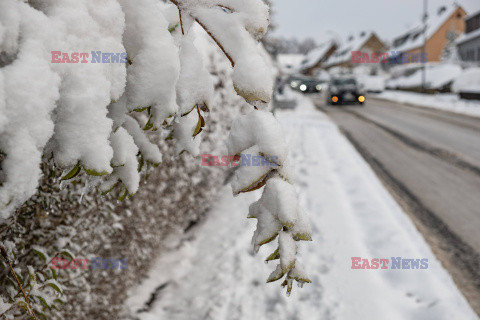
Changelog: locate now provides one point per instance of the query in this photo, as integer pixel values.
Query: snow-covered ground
(444, 101)
(211, 273)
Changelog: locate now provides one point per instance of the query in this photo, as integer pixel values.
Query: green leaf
(200, 124)
(22, 304)
(109, 190)
(184, 114)
(41, 254)
(154, 164)
(274, 256)
(92, 172)
(54, 285)
(123, 194)
(149, 124)
(54, 273)
(32, 276)
(170, 136)
(303, 236)
(141, 109)
(172, 27)
(43, 301)
(72, 173)
(67, 253)
(277, 274)
(20, 279)
(140, 163)
(268, 239)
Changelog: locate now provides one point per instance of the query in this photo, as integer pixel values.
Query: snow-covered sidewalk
(443, 101)
(212, 273)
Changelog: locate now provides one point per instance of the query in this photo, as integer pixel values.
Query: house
(443, 26)
(469, 43)
(313, 60)
(367, 43)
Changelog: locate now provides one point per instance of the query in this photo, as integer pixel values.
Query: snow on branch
(278, 211)
(90, 116)
(236, 26)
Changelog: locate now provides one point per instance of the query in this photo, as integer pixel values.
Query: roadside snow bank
(443, 101)
(212, 272)
(438, 76)
(468, 81)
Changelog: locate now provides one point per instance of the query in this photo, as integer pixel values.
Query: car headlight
(294, 84)
(318, 87)
(303, 87)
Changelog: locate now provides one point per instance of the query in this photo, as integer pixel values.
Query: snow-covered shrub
(39, 232)
(177, 195)
(468, 81)
(91, 122)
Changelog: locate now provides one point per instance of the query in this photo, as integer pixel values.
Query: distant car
(305, 84)
(345, 90)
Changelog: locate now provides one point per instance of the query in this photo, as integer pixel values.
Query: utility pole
(424, 63)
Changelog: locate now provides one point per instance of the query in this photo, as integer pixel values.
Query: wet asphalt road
(430, 161)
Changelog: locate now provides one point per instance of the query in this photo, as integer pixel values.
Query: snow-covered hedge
(92, 121)
(468, 81)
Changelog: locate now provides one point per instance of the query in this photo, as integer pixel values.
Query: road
(430, 162)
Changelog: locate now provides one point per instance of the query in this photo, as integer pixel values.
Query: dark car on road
(345, 90)
(305, 84)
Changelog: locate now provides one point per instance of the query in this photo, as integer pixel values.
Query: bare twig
(181, 22)
(225, 7)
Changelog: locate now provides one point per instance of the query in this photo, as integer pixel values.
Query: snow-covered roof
(315, 55)
(468, 36)
(343, 53)
(472, 15)
(414, 37)
(289, 62)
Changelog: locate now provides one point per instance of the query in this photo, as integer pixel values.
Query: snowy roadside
(443, 101)
(212, 273)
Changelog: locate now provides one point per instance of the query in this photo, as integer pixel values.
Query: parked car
(305, 84)
(344, 90)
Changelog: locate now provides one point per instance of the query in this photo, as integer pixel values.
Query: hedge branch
(5, 256)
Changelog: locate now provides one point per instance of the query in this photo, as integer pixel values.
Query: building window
(472, 24)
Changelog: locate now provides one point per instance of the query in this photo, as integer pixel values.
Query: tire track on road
(442, 154)
(461, 259)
